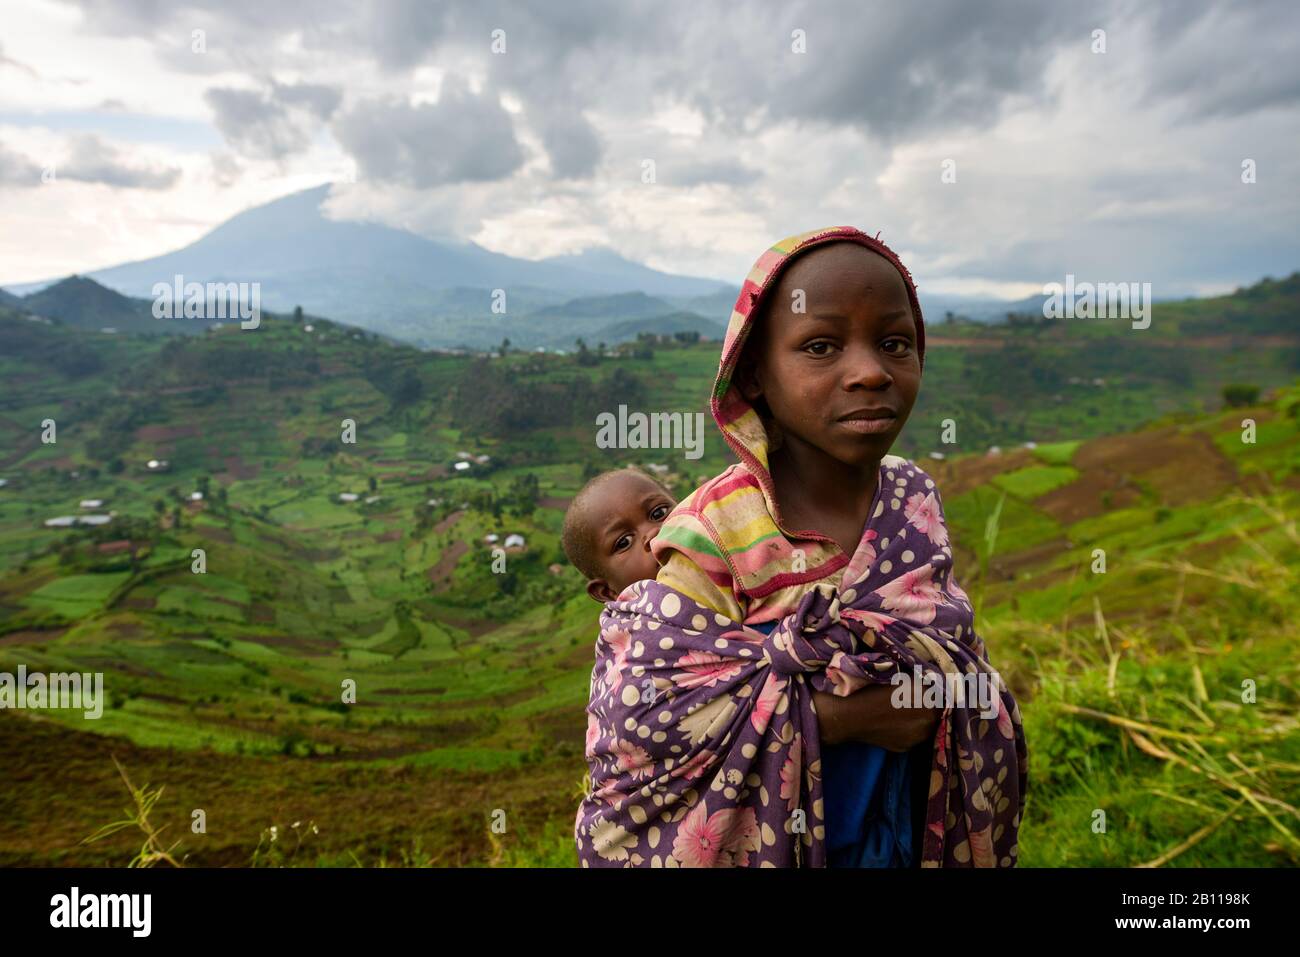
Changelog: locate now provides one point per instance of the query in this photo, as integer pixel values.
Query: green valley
(306, 507)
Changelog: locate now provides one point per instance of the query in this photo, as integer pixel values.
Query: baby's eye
(660, 512)
(624, 541)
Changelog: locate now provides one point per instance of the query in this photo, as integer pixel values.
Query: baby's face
(627, 512)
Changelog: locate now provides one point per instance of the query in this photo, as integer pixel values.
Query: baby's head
(833, 355)
(608, 529)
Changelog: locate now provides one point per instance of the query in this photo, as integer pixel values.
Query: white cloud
(1115, 164)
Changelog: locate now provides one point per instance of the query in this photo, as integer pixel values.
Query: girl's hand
(869, 716)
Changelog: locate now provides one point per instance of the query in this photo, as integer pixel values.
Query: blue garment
(867, 797)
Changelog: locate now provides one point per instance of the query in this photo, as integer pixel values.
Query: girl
(819, 371)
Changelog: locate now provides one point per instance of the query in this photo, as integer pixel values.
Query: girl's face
(842, 374)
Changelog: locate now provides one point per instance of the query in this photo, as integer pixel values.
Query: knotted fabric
(702, 740)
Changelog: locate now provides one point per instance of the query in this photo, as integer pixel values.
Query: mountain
(385, 279)
(85, 304)
(661, 325)
(630, 305)
(10, 300)
(609, 319)
(715, 305)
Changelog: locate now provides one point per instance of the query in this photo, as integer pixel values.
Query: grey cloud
(91, 160)
(402, 33)
(94, 161)
(877, 75)
(318, 99)
(463, 137)
(693, 172)
(891, 69)
(17, 170)
(550, 65)
(274, 123)
(572, 144)
(1226, 59)
(885, 68)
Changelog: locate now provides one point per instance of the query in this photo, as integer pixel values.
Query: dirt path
(440, 574)
(448, 523)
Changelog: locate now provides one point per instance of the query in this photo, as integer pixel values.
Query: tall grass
(1180, 726)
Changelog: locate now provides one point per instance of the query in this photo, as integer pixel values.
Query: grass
(226, 687)
(1030, 483)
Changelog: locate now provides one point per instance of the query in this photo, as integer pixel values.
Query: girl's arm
(869, 716)
(687, 552)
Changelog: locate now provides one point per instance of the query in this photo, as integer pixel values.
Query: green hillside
(80, 302)
(225, 686)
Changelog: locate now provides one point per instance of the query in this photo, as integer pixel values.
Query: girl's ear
(747, 379)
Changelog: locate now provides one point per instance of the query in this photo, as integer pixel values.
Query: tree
(524, 494)
(505, 345)
(585, 356)
(1238, 395)
(297, 313)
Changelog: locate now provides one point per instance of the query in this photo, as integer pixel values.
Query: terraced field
(226, 687)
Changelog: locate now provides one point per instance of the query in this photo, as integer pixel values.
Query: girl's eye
(820, 344)
(900, 346)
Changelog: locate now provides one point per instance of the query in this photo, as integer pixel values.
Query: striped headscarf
(740, 423)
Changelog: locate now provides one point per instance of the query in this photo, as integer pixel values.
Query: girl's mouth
(872, 426)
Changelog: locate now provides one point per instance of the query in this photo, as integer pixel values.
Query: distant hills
(429, 293)
(391, 281)
(1266, 308)
(85, 304)
(82, 303)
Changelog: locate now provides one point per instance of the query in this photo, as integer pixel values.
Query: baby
(609, 526)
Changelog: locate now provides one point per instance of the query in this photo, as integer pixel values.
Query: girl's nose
(864, 368)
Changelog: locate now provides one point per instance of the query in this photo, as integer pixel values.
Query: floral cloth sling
(702, 742)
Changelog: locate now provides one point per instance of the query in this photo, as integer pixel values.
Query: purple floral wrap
(702, 739)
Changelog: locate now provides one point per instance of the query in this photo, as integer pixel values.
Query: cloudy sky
(130, 127)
